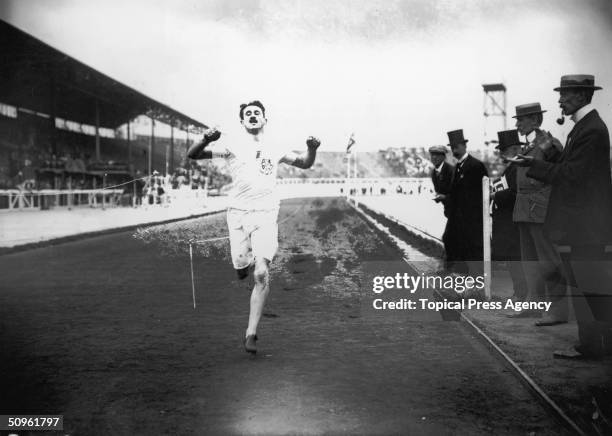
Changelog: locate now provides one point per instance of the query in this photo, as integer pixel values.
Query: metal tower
(494, 105)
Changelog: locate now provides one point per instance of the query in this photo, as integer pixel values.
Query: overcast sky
(396, 72)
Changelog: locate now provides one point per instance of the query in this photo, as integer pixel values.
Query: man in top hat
(541, 261)
(505, 242)
(464, 227)
(442, 176)
(580, 212)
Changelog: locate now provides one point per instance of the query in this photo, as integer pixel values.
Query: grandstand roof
(38, 77)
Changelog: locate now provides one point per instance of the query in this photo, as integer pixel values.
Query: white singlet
(253, 166)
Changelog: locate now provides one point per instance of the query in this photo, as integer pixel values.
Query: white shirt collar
(531, 136)
(439, 167)
(464, 157)
(580, 113)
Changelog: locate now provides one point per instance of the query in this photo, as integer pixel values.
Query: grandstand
(61, 122)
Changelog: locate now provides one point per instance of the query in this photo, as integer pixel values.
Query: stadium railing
(15, 199)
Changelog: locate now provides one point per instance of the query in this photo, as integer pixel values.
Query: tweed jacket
(532, 195)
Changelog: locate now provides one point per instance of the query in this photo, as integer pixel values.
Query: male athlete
(253, 210)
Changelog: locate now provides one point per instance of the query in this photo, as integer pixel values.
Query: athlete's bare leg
(259, 294)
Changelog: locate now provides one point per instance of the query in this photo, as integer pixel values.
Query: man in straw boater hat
(253, 211)
(505, 245)
(441, 177)
(580, 212)
(464, 226)
(541, 261)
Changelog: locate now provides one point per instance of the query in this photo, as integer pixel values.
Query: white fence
(14, 199)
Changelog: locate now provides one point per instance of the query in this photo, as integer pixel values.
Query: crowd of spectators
(415, 162)
(43, 169)
(407, 162)
(193, 176)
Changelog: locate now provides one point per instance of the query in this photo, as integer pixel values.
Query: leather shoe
(549, 321)
(249, 344)
(570, 353)
(576, 353)
(525, 314)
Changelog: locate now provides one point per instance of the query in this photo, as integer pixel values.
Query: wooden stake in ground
(486, 236)
(192, 282)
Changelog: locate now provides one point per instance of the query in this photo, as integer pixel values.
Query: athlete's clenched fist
(312, 142)
(211, 135)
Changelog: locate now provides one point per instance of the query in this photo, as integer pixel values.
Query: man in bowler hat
(541, 261)
(464, 229)
(580, 212)
(505, 244)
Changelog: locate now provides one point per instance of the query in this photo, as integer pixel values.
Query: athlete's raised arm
(197, 150)
(306, 159)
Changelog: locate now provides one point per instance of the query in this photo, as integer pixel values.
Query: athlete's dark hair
(252, 103)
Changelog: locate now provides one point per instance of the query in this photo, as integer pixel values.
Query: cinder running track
(103, 331)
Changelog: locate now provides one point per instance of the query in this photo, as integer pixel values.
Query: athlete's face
(253, 118)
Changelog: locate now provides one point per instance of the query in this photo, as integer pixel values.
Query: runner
(253, 211)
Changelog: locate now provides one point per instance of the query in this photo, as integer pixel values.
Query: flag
(350, 143)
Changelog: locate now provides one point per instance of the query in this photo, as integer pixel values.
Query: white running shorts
(252, 234)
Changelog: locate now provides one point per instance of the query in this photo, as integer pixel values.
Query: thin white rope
(121, 184)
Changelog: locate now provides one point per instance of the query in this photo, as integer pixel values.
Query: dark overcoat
(464, 229)
(442, 181)
(580, 207)
(505, 243)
